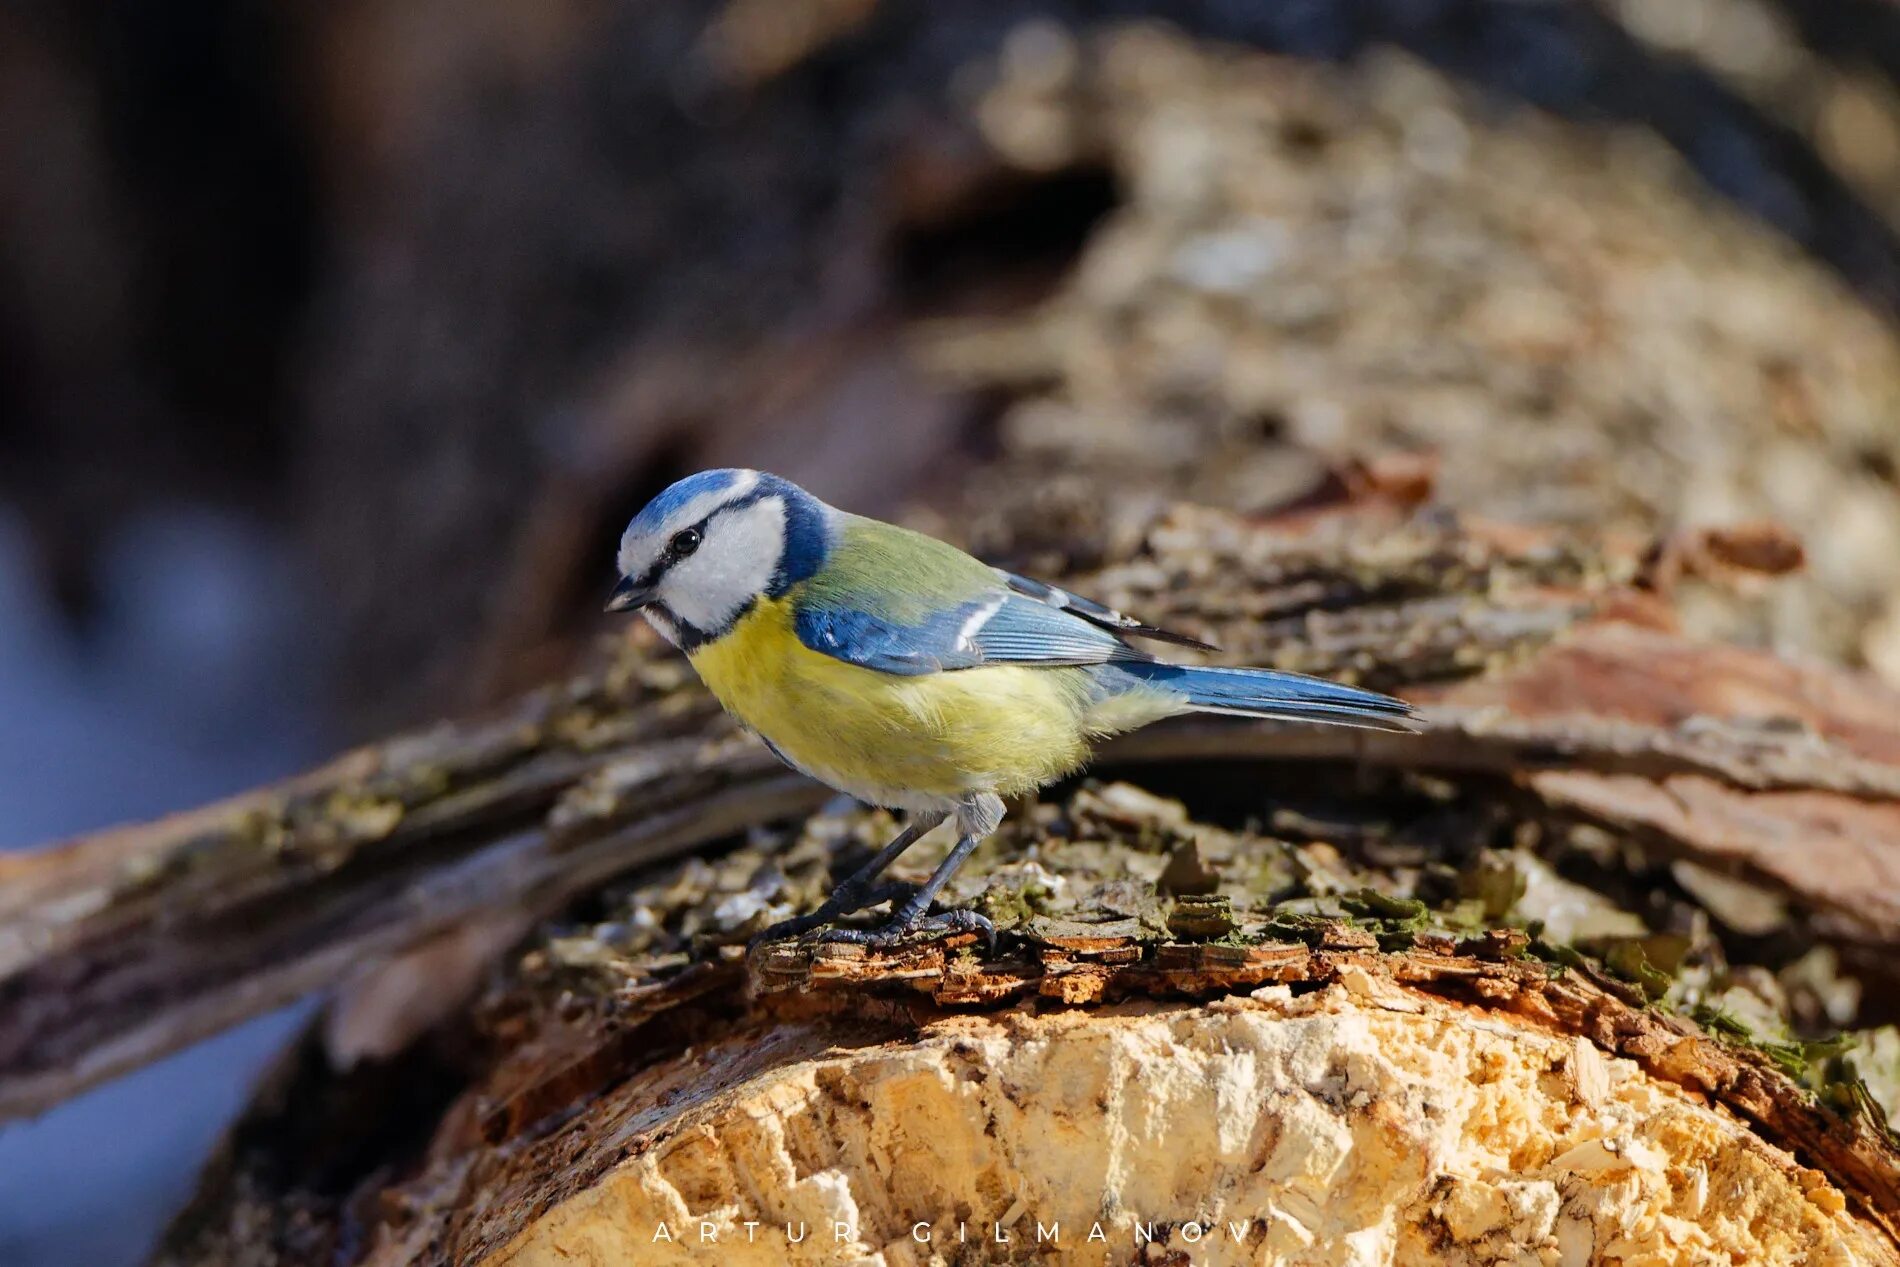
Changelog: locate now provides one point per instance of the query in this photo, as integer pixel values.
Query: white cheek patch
(664, 623)
(710, 587)
(639, 554)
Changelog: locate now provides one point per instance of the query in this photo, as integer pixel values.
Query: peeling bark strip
(118, 948)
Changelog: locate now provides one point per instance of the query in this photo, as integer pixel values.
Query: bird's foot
(846, 899)
(901, 932)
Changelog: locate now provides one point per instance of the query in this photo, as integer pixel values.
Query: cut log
(1229, 1043)
(119, 948)
(1368, 1116)
(1512, 873)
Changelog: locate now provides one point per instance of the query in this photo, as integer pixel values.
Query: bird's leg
(909, 918)
(976, 819)
(857, 892)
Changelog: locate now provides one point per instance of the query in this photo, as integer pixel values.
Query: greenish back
(896, 574)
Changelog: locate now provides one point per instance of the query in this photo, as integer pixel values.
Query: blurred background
(338, 339)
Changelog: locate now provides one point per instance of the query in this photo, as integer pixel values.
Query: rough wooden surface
(1698, 821)
(1164, 1131)
(1681, 853)
(640, 1067)
(118, 948)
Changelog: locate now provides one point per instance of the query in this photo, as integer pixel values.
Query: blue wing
(1095, 613)
(994, 627)
(900, 602)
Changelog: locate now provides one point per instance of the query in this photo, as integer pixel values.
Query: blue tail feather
(1273, 694)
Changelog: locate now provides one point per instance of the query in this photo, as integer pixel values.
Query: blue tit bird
(908, 674)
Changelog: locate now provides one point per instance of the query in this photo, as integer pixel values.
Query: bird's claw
(843, 901)
(900, 933)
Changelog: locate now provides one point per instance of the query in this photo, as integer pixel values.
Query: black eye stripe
(678, 546)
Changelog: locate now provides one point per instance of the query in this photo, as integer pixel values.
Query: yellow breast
(897, 741)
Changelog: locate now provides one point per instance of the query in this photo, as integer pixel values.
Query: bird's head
(700, 554)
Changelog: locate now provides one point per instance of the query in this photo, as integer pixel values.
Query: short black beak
(629, 595)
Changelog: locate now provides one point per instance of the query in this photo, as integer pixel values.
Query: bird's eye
(684, 542)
